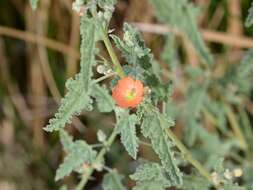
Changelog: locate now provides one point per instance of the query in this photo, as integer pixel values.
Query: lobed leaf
(168, 54)
(195, 100)
(66, 141)
(88, 41)
(149, 185)
(104, 100)
(154, 127)
(79, 154)
(127, 128)
(246, 64)
(192, 182)
(73, 103)
(151, 172)
(142, 64)
(112, 181)
(77, 97)
(181, 15)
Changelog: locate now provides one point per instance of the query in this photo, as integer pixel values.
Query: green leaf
(181, 15)
(168, 54)
(195, 100)
(154, 127)
(79, 154)
(127, 127)
(249, 19)
(64, 187)
(87, 30)
(192, 182)
(141, 62)
(112, 181)
(72, 104)
(149, 185)
(217, 109)
(151, 172)
(104, 100)
(34, 4)
(246, 64)
(77, 97)
(231, 186)
(66, 141)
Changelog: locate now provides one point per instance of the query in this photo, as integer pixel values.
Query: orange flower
(128, 93)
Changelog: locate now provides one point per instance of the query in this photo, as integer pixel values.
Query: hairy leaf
(141, 60)
(181, 15)
(246, 64)
(64, 187)
(66, 141)
(249, 19)
(195, 99)
(149, 185)
(87, 30)
(79, 154)
(112, 181)
(77, 97)
(104, 100)
(154, 127)
(151, 172)
(72, 104)
(127, 127)
(192, 182)
(168, 54)
(231, 186)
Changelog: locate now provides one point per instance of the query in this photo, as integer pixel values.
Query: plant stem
(97, 161)
(188, 156)
(118, 69)
(103, 78)
(234, 124)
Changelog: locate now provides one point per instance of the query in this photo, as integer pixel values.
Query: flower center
(131, 94)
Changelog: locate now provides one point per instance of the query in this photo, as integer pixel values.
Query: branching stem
(187, 155)
(118, 68)
(108, 143)
(97, 161)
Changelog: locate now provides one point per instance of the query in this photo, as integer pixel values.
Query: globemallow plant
(138, 97)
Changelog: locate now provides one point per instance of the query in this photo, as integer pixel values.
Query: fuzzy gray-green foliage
(151, 173)
(78, 96)
(112, 181)
(126, 124)
(192, 182)
(78, 153)
(196, 95)
(181, 15)
(104, 100)
(143, 65)
(154, 127)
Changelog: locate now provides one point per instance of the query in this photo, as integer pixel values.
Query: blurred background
(39, 50)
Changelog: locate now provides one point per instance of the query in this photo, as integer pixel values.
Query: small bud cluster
(79, 7)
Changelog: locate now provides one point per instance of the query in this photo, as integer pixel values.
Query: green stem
(97, 161)
(103, 78)
(235, 127)
(118, 69)
(188, 156)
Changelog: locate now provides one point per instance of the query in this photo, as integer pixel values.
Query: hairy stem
(97, 161)
(187, 155)
(118, 69)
